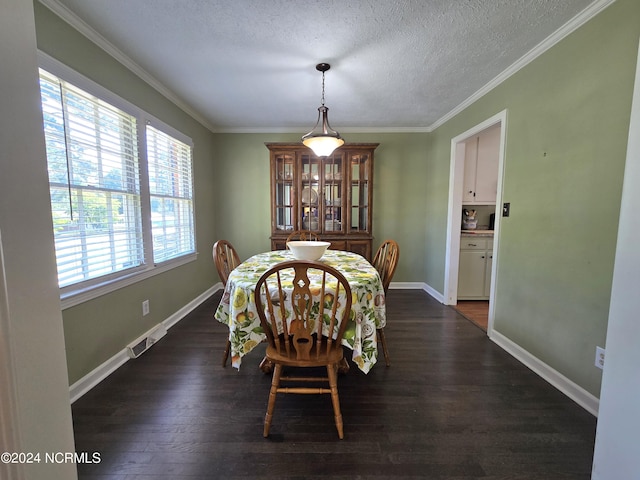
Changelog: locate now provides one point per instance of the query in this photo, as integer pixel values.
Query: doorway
(476, 311)
(456, 182)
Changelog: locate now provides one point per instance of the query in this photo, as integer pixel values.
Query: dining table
(237, 308)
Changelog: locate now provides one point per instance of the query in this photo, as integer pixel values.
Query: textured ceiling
(249, 65)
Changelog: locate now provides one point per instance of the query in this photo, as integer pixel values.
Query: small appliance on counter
(469, 219)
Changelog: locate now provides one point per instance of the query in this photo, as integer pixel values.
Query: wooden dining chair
(302, 235)
(226, 259)
(385, 262)
(311, 334)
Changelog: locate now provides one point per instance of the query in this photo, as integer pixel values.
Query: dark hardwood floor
(452, 405)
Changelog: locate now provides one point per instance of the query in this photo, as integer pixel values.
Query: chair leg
(332, 373)
(225, 355)
(275, 383)
(383, 341)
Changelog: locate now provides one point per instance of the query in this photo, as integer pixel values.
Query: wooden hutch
(329, 196)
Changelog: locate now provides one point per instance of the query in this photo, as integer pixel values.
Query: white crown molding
(81, 26)
(293, 130)
(576, 22)
(385, 130)
(572, 25)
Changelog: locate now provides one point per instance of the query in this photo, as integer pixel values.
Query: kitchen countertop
(476, 233)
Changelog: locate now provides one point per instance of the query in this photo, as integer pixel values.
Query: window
(120, 206)
(171, 193)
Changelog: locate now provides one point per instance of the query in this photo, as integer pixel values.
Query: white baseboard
(90, 380)
(86, 383)
(406, 285)
(575, 392)
(434, 293)
(417, 286)
(192, 305)
(579, 395)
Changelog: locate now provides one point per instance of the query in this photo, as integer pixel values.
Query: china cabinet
(329, 196)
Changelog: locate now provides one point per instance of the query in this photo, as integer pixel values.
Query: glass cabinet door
(360, 192)
(309, 193)
(283, 204)
(333, 194)
(330, 196)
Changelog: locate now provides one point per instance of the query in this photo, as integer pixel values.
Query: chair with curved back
(226, 259)
(386, 261)
(302, 235)
(301, 340)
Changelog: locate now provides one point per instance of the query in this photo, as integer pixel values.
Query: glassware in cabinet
(360, 194)
(333, 193)
(283, 192)
(309, 193)
(329, 196)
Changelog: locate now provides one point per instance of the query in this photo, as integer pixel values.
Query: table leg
(266, 366)
(343, 368)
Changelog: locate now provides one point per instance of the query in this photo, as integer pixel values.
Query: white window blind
(92, 153)
(121, 187)
(171, 195)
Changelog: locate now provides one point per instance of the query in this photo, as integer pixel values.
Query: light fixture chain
(322, 139)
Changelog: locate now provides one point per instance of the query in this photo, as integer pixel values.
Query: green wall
(566, 134)
(231, 174)
(97, 330)
(567, 123)
(400, 167)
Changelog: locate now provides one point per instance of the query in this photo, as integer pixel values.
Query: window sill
(71, 299)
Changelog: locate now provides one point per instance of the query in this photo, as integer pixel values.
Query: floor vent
(142, 344)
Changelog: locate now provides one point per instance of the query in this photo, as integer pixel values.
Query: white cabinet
(474, 274)
(481, 167)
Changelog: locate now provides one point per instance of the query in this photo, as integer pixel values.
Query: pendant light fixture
(323, 140)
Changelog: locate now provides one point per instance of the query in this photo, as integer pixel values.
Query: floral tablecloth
(237, 308)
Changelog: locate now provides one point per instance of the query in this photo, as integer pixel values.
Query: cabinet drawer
(471, 243)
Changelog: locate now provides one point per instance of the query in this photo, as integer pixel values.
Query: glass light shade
(323, 140)
(323, 146)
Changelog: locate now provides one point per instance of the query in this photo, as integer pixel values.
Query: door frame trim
(10, 431)
(456, 179)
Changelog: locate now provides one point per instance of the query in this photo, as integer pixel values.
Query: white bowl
(307, 250)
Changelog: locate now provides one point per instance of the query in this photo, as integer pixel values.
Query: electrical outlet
(145, 308)
(600, 357)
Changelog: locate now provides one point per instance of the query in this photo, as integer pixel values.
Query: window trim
(81, 295)
(75, 295)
